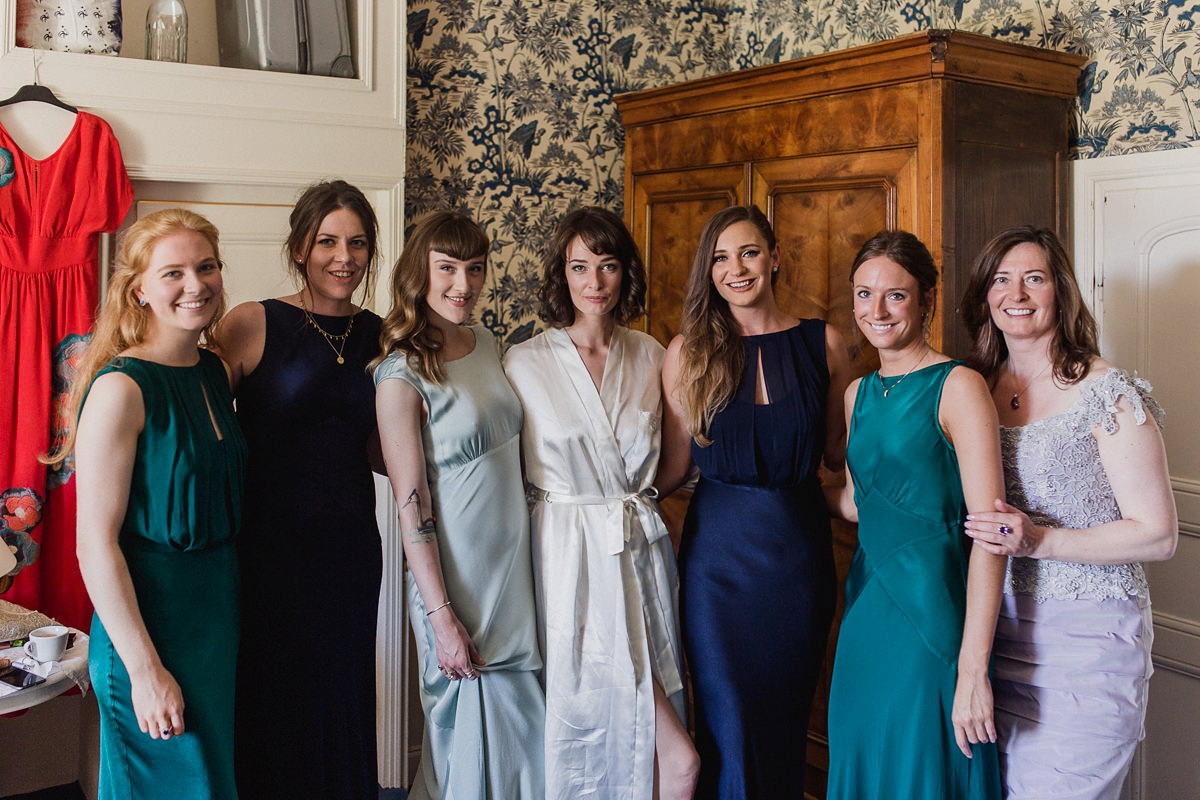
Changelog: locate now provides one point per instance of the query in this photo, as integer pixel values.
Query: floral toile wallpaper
(510, 116)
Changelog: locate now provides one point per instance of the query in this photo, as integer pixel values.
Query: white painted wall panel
(1137, 252)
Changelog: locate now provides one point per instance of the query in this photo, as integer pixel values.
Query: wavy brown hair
(1074, 345)
(406, 328)
(123, 321)
(712, 359)
(605, 234)
(317, 202)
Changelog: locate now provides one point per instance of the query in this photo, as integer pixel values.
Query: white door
(1138, 247)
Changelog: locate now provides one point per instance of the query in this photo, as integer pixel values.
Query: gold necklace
(887, 389)
(1015, 402)
(330, 337)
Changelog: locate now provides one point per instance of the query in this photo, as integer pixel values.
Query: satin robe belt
(639, 508)
(622, 513)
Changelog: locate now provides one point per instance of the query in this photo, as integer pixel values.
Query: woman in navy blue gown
(755, 395)
(310, 551)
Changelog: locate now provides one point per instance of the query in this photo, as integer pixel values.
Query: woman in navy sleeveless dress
(758, 579)
(758, 575)
(310, 551)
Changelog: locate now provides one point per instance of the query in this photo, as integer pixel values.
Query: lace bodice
(1052, 472)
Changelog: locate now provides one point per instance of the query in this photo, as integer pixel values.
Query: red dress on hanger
(52, 211)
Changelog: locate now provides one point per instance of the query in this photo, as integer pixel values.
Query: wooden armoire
(947, 134)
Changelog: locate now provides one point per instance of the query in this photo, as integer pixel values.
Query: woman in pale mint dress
(1089, 498)
(450, 427)
(606, 579)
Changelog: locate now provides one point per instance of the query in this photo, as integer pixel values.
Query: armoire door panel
(819, 230)
(669, 212)
(823, 208)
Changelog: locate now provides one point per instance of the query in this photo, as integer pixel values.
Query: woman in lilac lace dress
(1088, 499)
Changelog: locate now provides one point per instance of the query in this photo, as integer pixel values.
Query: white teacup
(47, 644)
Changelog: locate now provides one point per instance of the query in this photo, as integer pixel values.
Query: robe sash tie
(625, 512)
(637, 511)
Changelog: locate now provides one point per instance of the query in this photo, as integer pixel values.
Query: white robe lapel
(594, 408)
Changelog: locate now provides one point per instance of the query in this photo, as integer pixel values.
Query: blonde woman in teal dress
(450, 426)
(159, 460)
(910, 707)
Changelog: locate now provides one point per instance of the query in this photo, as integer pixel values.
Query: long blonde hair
(712, 358)
(123, 321)
(406, 328)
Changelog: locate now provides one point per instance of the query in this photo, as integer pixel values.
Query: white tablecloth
(60, 676)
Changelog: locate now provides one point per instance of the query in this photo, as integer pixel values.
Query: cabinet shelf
(256, 125)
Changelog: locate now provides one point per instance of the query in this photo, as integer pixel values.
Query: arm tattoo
(426, 527)
(425, 532)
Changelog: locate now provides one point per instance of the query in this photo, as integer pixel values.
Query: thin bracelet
(439, 608)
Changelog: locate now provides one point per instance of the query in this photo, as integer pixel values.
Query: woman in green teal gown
(159, 461)
(910, 707)
(449, 426)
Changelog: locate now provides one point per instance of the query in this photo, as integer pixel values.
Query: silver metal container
(307, 36)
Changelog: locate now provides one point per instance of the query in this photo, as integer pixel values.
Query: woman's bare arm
(676, 459)
(968, 418)
(105, 451)
(398, 411)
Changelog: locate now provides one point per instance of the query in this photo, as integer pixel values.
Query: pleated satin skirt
(1071, 682)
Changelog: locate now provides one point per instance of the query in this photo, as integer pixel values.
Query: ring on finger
(1005, 530)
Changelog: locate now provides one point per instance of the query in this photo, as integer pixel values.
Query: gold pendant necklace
(330, 337)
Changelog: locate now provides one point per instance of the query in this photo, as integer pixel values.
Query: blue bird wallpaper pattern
(510, 116)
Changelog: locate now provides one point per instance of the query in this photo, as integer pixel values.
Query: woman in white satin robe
(604, 567)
